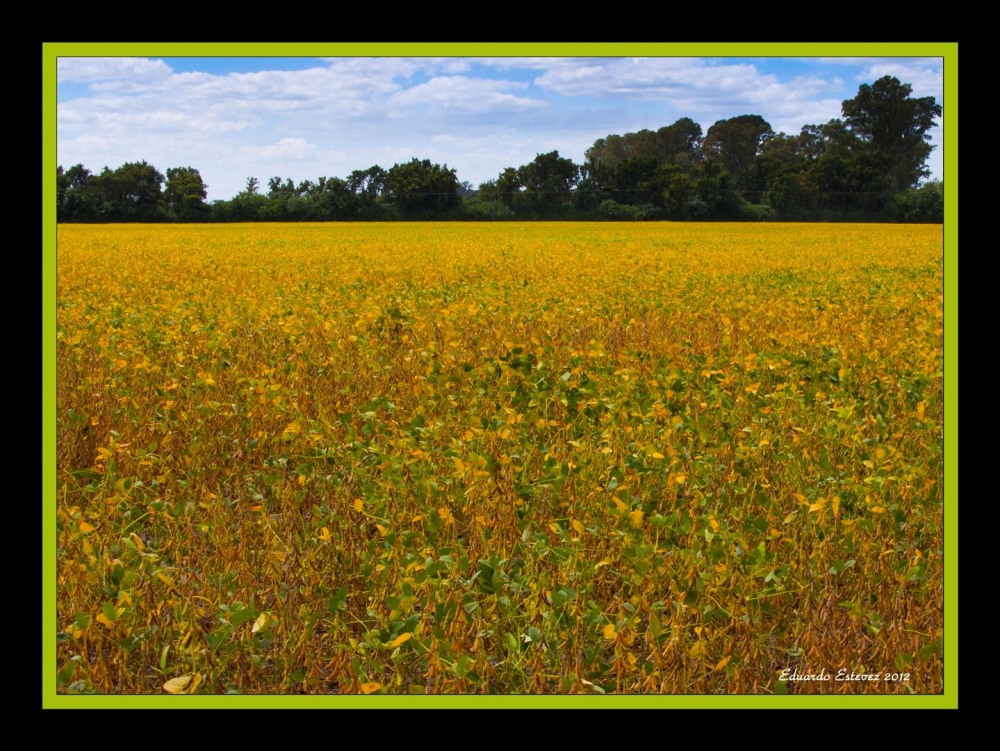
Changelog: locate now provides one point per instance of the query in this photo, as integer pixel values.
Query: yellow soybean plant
(500, 458)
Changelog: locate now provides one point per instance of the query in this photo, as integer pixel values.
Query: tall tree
(368, 184)
(549, 179)
(130, 193)
(887, 120)
(419, 187)
(680, 142)
(736, 142)
(185, 194)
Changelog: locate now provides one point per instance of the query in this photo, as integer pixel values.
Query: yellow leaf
(680, 479)
(636, 517)
(722, 663)
(103, 619)
(177, 685)
(138, 541)
(920, 410)
(836, 505)
(698, 648)
(554, 528)
(293, 427)
(324, 535)
(264, 620)
(381, 530)
(401, 639)
(446, 515)
(87, 528)
(605, 562)
(752, 388)
(878, 509)
(818, 505)
(577, 526)
(609, 632)
(618, 503)
(370, 688)
(195, 682)
(165, 579)
(713, 524)
(358, 504)
(658, 455)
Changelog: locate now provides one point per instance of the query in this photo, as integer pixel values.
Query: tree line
(866, 166)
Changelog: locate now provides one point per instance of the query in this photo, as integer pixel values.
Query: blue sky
(232, 118)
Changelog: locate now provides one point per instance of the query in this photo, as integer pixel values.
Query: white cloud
(87, 69)
(402, 66)
(926, 80)
(286, 148)
(462, 94)
(638, 78)
(533, 63)
(859, 61)
(88, 143)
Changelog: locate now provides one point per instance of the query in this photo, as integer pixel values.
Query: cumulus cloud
(533, 63)
(286, 148)
(87, 142)
(693, 85)
(858, 61)
(465, 94)
(643, 78)
(926, 80)
(88, 69)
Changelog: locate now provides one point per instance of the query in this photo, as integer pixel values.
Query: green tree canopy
(887, 120)
(735, 143)
(421, 187)
(130, 193)
(185, 194)
(548, 179)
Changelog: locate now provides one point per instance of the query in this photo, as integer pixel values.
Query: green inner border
(50, 53)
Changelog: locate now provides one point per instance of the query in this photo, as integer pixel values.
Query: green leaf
(240, 616)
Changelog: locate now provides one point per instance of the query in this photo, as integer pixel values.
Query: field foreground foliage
(517, 458)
